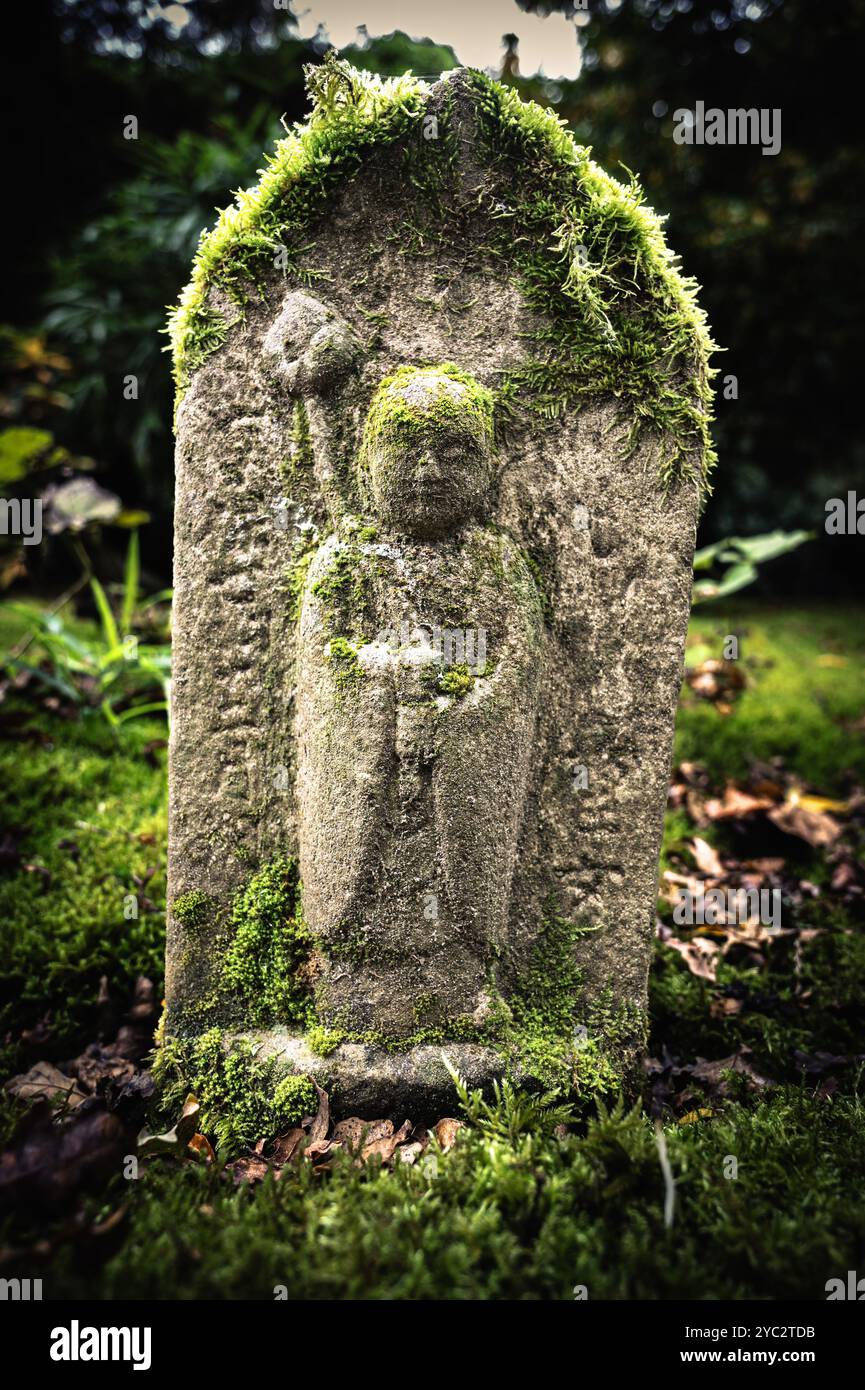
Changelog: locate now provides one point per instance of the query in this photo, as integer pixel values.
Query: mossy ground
(512, 1211)
(86, 814)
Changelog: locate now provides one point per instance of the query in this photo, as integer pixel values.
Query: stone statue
(442, 437)
(413, 761)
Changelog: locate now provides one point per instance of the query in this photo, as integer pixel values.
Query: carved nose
(429, 469)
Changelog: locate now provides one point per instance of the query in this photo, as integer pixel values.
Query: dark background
(104, 228)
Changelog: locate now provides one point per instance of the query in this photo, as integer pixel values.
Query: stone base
(366, 1080)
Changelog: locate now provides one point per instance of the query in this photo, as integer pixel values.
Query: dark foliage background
(105, 227)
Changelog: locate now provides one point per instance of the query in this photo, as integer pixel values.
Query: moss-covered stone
(193, 910)
(619, 318)
(264, 964)
(242, 1099)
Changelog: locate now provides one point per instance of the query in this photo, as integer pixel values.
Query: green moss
(618, 318)
(511, 1212)
(353, 113)
(394, 419)
(296, 579)
(324, 1041)
(294, 1098)
(88, 816)
(297, 469)
(552, 1033)
(264, 965)
(345, 579)
(242, 1098)
(342, 656)
(193, 910)
(457, 680)
(804, 673)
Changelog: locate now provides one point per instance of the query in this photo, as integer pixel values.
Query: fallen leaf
(200, 1144)
(725, 1008)
(52, 1162)
(445, 1132)
(736, 804)
(350, 1132)
(820, 803)
(816, 828)
(706, 858)
(384, 1147)
(700, 955)
(844, 876)
(285, 1146)
(187, 1125)
(711, 1073)
(45, 1082)
(321, 1123)
(250, 1168)
(410, 1153)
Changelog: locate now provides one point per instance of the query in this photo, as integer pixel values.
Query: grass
(86, 811)
(512, 1211)
(805, 669)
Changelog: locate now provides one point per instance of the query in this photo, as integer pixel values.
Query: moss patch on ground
(805, 674)
(82, 887)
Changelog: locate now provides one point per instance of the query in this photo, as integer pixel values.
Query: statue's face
(431, 481)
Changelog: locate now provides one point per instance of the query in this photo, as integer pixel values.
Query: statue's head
(427, 453)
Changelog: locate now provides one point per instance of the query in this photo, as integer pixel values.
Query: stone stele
(441, 446)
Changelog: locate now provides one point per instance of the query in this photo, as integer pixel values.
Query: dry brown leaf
(764, 867)
(816, 828)
(350, 1132)
(187, 1125)
(285, 1146)
(319, 1147)
(445, 1132)
(45, 1082)
(711, 1072)
(725, 1008)
(700, 955)
(249, 1169)
(706, 858)
(321, 1122)
(736, 804)
(844, 876)
(200, 1144)
(377, 1129)
(384, 1147)
(410, 1153)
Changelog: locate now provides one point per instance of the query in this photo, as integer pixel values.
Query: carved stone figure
(442, 437)
(412, 766)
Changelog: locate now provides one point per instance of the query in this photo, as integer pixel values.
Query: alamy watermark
(845, 517)
(719, 907)
(459, 646)
(21, 516)
(736, 126)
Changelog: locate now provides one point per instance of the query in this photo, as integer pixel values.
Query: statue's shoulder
(498, 559)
